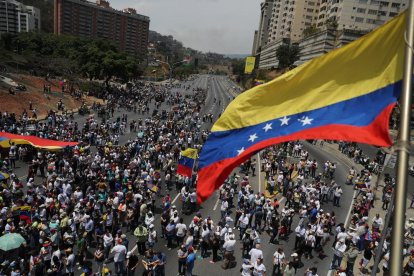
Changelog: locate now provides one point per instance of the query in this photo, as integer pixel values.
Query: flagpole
(402, 147)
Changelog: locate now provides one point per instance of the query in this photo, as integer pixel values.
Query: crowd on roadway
(84, 201)
(90, 196)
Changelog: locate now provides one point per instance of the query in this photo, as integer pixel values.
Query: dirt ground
(34, 93)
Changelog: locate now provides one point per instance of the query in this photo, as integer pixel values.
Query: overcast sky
(221, 26)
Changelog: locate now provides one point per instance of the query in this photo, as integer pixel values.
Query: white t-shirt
(120, 252)
(181, 229)
(259, 270)
(279, 258)
(255, 254)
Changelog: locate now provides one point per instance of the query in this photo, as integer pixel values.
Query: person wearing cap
(191, 257)
(351, 254)
(152, 236)
(228, 248)
(247, 268)
(340, 248)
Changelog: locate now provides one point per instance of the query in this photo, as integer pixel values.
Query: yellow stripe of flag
(190, 153)
(369, 63)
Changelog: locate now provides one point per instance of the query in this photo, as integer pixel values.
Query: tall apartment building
(16, 17)
(290, 18)
(287, 21)
(127, 29)
(359, 14)
(261, 35)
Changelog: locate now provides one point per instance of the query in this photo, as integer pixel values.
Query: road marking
(350, 209)
(175, 199)
(260, 173)
(133, 249)
(215, 205)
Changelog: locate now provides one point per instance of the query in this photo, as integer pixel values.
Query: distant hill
(237, 56)
(166, 46)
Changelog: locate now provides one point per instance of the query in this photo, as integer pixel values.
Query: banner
(250, 62)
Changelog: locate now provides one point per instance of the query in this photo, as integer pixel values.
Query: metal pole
(402, 147)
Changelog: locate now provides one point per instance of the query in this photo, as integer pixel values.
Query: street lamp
(170, 67)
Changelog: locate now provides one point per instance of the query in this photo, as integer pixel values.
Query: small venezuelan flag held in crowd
(347, 94)
(186, 162)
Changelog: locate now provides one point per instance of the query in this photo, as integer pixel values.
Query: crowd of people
(84, 202)
(92, 195)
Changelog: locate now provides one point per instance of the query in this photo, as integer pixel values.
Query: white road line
(350, 209)
(133, 249)
(215, 205)
(260, 172)
(175, 199)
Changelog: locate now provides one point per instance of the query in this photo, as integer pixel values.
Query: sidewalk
(378, 185)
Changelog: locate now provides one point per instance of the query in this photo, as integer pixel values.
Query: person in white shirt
(255, 253)
(181, 230)
(278, 262)
(377, 222)
(107, 243)
(224, 207)
(311, 271)
(259, 268)
(120, 252)
(340, 248)
(228, 247)
(246, 268)
(337, 195)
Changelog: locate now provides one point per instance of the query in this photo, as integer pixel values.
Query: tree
(287, 54)
(238, 67)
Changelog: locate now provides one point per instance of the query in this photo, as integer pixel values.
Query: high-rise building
(127, 29)
(290, 20)
(358, 14)
(16, 17)
(261, 37)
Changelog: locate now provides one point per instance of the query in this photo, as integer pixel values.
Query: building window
(361, 10)
(373, 12)
(370, 21)
(359, 19)
(395, 5)
(392, 14)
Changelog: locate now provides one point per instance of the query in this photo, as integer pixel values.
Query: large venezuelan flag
(7, 138)
(186, 162)
(347, 94)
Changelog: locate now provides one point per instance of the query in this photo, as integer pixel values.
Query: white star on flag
(240, 151)
(284, 121)
(267, 127)
(305, 121)
(253, 137)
